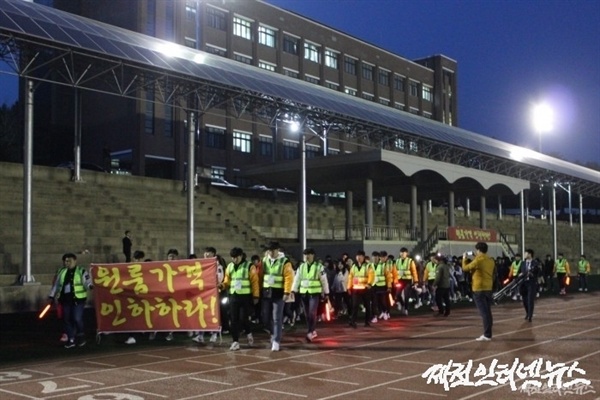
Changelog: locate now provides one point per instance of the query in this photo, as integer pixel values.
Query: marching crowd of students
(273, 290)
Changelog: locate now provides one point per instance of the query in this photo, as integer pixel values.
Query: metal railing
(505, 240)
(375, 232)
(424, 247)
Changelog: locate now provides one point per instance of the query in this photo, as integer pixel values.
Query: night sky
(511, 54)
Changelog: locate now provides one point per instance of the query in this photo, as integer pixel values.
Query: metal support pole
(27, 180)
(302, 203)
(424, 232)
(191, 181)
(451, 220)
(77, 139)
(570, 207)
(389, 216)
(468, 208)
(369, 208)
(500, 208)
(482, 213)
(413, 211)
(523, 219)
(581, 224)
(554, 244)
(349, 209)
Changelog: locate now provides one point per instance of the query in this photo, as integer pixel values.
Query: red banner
(472, 234)
(179, 295)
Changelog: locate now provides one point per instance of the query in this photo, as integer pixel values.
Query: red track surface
(385, 361)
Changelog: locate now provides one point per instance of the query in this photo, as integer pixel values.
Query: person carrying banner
(70, 288)
(241, 280)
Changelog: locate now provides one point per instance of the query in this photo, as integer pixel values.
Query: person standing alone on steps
(127, 246)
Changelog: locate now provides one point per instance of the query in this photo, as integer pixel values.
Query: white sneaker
(362, 308)
(285, 320)
(381, 316)
(130, 340)
(275, 346)
(152, 336)
(537, 294)
(483, 338)
(314, 334)
(169, 337)
(234, 346)
(374, 320)
(250, 339)
(191, 334)
(213, 337)
(199, 338)
(405, 311)
(386, 316)
(64, 338)
(585, 290)
(399, 306)
(418, 305)
(309, 337)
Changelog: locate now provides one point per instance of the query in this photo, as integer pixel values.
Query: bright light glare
(294, 126)
(170, 49)
(199, 58)
(519, 154)
(543, 118)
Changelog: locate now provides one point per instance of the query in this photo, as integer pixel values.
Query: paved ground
(386, 361)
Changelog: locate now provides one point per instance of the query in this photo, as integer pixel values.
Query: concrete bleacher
(89, 218)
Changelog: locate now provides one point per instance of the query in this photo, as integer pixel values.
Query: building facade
(149, 138)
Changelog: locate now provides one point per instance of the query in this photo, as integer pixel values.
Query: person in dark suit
(127, 246)
(530, 270)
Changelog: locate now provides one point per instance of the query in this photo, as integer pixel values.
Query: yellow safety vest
(380, 270)
(240, 280)
(310, 278)
(78, 289)
(273, 273)
(561, 266)
(359, 276)
(583, 266)
(403, 267)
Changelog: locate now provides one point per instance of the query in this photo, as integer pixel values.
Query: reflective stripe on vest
(273, 273)
(240, 281)
(583, 266)
(403, 267)
(561, 266)
(310, 282)
(380, 270)
(515, 267)
(359, 276)
(78, 288)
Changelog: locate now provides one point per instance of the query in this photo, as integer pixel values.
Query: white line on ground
(38, 372)
(204, 363)
(100, 364)
(379, 371)
(153, 356)
(414, 362)
(19, 394)
(148, 393)
(86, 381)
(350, 355)
(280, 392)
(419, 392)
(312, 363)
(265, 372)
(333, 380)
(210, 381)
(149, 371)
(252, 355)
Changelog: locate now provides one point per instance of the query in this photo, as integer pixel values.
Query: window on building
(190, 42)
(413, 88)
(311, 52)
(217, 19)
(217, 172)
(398, 106)
(168, 121)
(427, 94)
(242, 28)
(332, 152)
(399, 83)
(290, 44)
(367, 72)
(149, 113)
(350, 65)
(384, 77)
(290, 73)
(413, 146)
(383, 101)
(151, 18)
(265, 146)
(215, 137)
(367, 96)
(291, 150)
(312, 151)
(217, 51)
(399, 144)
(331, 59)
(242, 142)
(413, 110)
(350, 91)
(427, 115)
(332, 85)
(170, 21)
(242, 58)
(267, 66)
(311, 79)
(190, 10)
(267, 36)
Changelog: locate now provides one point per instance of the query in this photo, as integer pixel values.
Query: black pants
(582, 281)
(380, 301)
(240, 309)
(560, 276)
(364, 296)
(442, 300)
(528, 291)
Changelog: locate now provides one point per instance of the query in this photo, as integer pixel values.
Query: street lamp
(295, 127)
(543, 121)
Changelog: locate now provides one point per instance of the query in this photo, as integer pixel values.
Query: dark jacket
(442, 276)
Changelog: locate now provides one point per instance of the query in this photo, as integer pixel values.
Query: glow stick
(44, 311)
